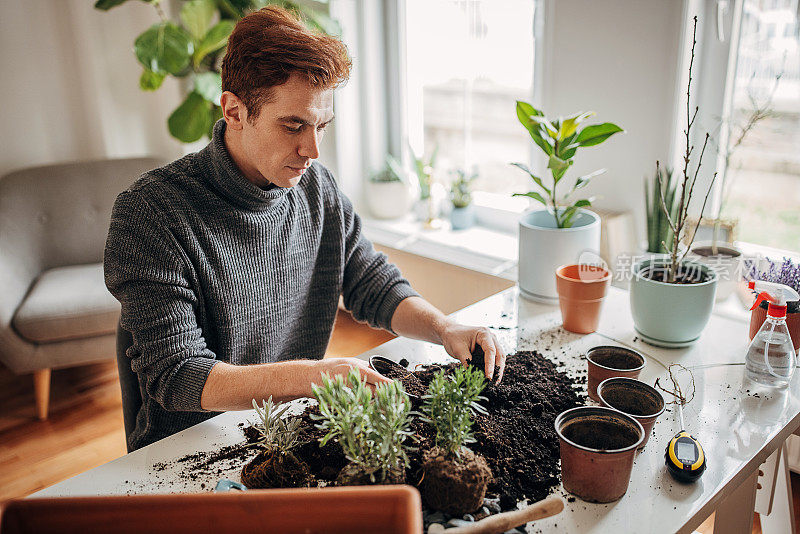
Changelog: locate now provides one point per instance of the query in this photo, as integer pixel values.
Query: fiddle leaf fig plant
(560, 140)
(192, 48)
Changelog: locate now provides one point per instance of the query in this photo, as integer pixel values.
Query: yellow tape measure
(685, 458)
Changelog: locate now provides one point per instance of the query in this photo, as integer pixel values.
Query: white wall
(71, 85)
(620, 59)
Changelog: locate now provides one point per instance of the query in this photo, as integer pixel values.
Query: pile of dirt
(517, 437)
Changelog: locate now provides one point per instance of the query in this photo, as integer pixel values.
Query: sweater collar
(229, 181)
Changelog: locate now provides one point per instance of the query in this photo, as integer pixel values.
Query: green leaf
(525, 111)
(583, 203)
(597, 133)
(551, 130)
(192, 119)
(216, 38)
(105, 5)
(196, 16)
(216, 114)
(163, 48)
(532, 194)
(571, 123)
(533, 176)
(558, 166)
(150, 81)
(584, 180)
(235, 8)
(209, 85)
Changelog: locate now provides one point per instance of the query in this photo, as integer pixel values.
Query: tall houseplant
(192, 48)
(672, 297)
(564, 228)
(659, 233)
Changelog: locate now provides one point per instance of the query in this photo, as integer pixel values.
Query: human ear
(233, 110)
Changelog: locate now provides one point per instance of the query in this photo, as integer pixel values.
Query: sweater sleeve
(146, 272)
(373, 287)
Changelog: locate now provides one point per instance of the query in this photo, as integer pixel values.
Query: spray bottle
(770, 358)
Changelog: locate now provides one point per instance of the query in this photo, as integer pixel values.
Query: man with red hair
(229, 263)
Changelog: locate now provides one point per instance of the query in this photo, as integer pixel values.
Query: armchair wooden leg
(41, 387)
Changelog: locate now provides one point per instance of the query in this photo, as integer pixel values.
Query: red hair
(268, 45)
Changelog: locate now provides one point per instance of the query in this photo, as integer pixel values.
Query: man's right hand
(343, 366)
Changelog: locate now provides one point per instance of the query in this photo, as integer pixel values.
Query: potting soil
(517, 437)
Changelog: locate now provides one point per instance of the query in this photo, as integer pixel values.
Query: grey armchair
(55, 310)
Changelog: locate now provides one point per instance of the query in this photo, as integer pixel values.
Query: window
(763, 172)
(467, 62)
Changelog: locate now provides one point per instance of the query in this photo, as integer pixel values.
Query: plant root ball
(454, 487)
(353, 475)
(278, 470)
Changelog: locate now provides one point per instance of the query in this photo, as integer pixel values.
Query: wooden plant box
(385, 509)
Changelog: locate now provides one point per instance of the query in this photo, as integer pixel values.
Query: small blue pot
(671, 315)
(462, 218)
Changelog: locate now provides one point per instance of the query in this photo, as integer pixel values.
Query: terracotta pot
(759, 315)
(598, 446)
(635, 398)
(607, 361)
(368, 509)
(581, 289)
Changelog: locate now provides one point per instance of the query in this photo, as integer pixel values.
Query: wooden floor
(85, 426)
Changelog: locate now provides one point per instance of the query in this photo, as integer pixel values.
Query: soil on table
(517, 438)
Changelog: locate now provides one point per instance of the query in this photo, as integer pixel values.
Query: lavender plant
(450, 404)
(370, 429)
(276, 434)
(785, 272)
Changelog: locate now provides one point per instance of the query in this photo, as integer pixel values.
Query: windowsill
(478, 248)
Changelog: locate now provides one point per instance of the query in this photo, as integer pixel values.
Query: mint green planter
(671, 315)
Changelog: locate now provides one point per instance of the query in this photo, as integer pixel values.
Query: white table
(738, 430)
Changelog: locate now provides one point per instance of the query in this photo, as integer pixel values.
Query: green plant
(370, 428)
(424, 170)
(276, 435)
(450, 404)
(678, 223)
(461, 189)
(392, 172)
(192, 48)
(659, 233)
(560, 140)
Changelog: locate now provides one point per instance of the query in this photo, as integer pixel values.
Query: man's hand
(342, 366)
(460, 341)
(417, 318)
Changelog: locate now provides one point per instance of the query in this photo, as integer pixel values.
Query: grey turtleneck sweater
(208, 268)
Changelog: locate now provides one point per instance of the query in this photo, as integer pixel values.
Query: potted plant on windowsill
(672, 297)
(559, 233)
(462, 215)
(392, 192)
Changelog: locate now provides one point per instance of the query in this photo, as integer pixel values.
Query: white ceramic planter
(727, 267)
(390, 200)
(543, 248)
